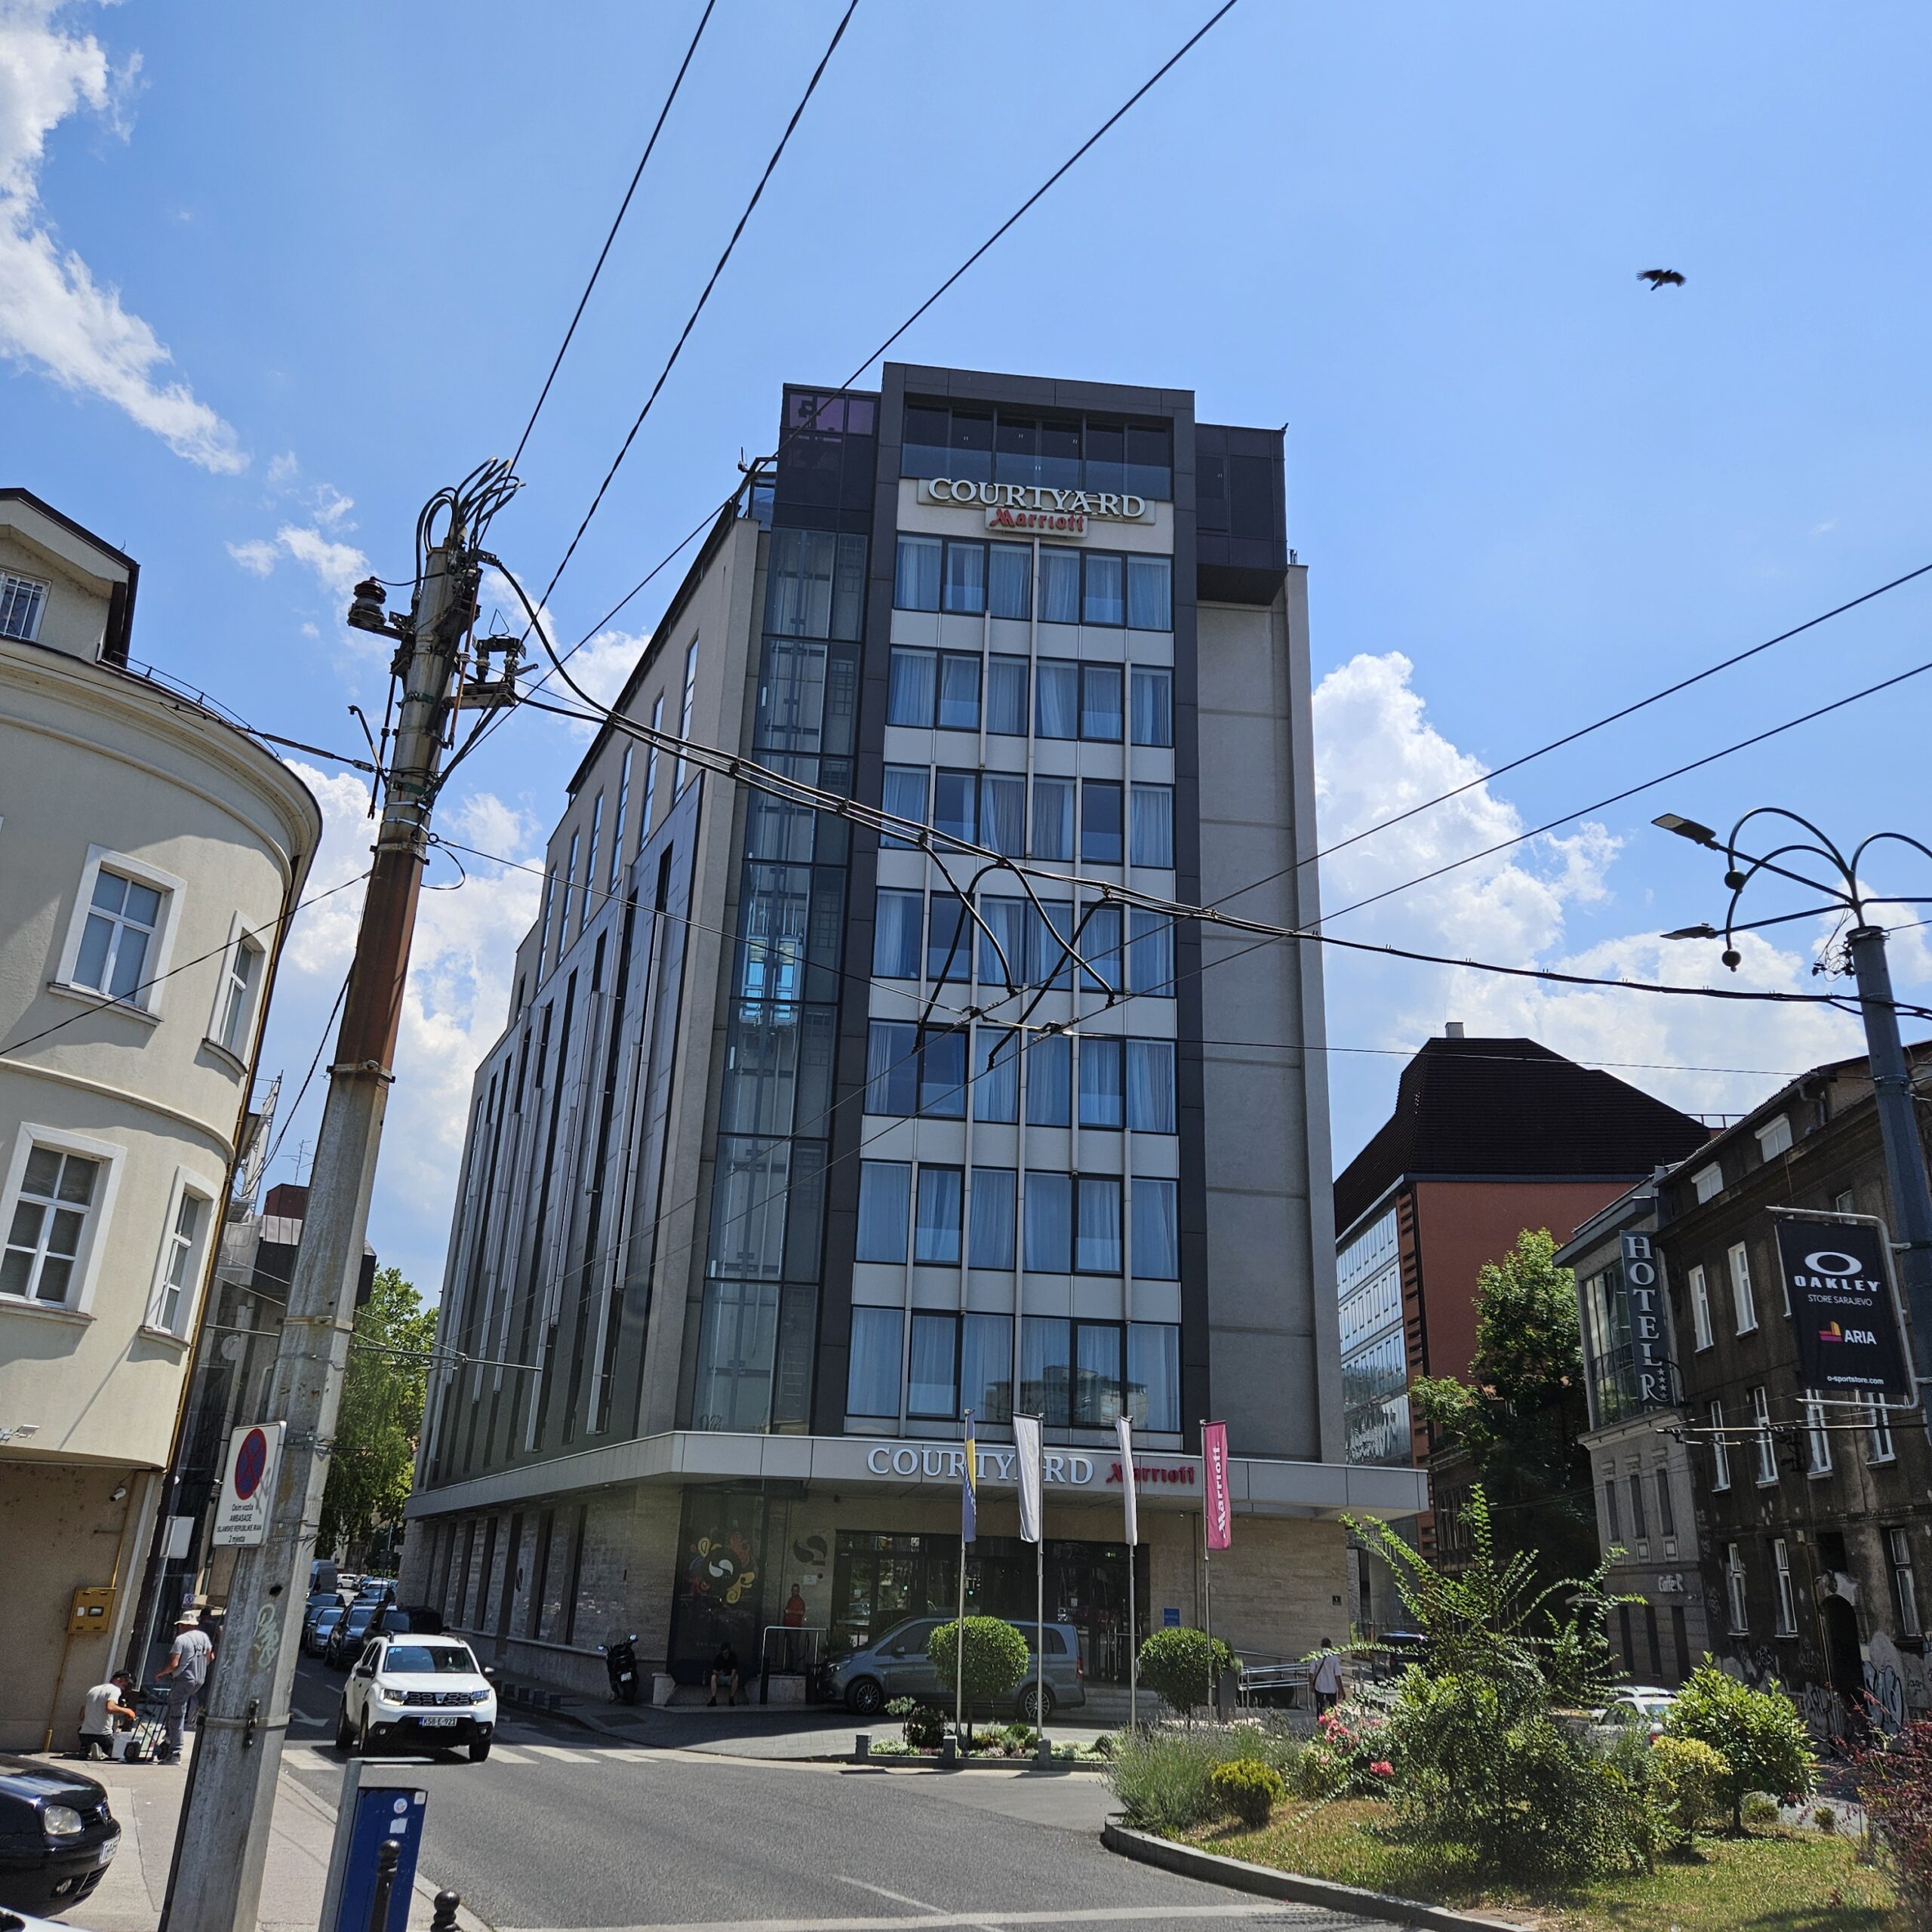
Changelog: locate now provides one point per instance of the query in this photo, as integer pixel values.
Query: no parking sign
(247, 1484)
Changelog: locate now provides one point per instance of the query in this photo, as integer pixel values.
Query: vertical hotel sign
(1219, 1522)
(1649, 1340)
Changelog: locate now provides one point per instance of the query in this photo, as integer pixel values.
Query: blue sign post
(382, 1812)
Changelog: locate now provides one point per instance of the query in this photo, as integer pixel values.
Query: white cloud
(256, 556)
(1377, 754)
(283, 470)
(331, 506)
(337, 566)
(53, 313)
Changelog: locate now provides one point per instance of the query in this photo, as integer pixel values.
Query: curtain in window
(1100, 802)
(892, 1068)
(1003, 812)
(1153, 825)
(1049, 1222)
(1156, 1231)
(1096, 1249)
(1150, 593)
(1100, 947)
(1056, 698)
(909, 698)
(1006, 696)
(896, 936)
(936, 1231)
(1044, 1366)
(1102, 1082)
(1005, 921)
(1153, 705)
(1009, 579)
(1105, 602)
(1099, 702)
(959, 692)
(1153, 1376)
(966, 578)
(1150, 1086)
(1050, 1081)
(1053, 818)
(884, 1190)
(943, 1076)
(903, 795)
(929, 1385)
(996, 1091)
(872, 1381)
(915, 586)
(956, 798)
(1060, 586)
(1096, 1375)
(985, 1366)
(991, 1243)
(1150, 953)
(949, 948)
(1049, 937)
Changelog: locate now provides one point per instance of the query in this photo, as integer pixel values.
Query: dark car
(346, 1640)
(57, 1835)
(408, 1620)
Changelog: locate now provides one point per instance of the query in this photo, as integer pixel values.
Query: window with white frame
(1905, 1587)
(1878, 1430)
(56, 1200)
(1774, 1137)
(1787, 1599)
(123, 922)
(1741, 1300)
(1720, 1451)
(1707, 1182)
(22, 600)
(1734, 1590)
(1846, 1203)
(241, 981)
(1817, 1437)
(1764, 1449)
(1700, 1309)
(181, 1254)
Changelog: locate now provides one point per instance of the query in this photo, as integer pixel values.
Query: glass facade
(1375, 1366)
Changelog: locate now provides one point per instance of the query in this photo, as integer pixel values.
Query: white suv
(421, 1693)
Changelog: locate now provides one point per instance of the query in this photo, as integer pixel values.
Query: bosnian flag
(969, 1488)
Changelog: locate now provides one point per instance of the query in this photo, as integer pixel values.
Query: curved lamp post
(1904, 1156)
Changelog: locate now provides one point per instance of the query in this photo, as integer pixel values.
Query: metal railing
(800, 1653)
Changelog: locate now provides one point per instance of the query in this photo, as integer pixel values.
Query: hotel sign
(1649, 1340)
(1037, 509)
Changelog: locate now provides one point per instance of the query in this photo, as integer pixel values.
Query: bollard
(387, 1854)
(948, 1750)
(443, 1915)
(862, 1748)
(1043, 1755)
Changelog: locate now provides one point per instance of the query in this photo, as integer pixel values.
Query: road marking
(564, 1754)
(897, 1898)
(509, 1754)
(1116, 1915)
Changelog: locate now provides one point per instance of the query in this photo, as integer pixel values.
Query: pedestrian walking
(1327, 1680)
(104, 1711)
(186, 1671)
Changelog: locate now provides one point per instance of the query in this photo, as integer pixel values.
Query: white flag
(1026, 1440)
(1123, 1429)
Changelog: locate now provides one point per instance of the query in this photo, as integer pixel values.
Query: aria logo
(1836, 1334)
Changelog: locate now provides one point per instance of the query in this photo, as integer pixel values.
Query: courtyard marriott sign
(941, 1462)
(1037, 507)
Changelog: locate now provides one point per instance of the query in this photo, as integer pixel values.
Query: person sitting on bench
(725, 1671)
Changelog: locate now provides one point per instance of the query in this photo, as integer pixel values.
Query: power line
(623, 207)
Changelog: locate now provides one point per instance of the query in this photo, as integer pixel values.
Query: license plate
(436, 1720)
(106, 1850)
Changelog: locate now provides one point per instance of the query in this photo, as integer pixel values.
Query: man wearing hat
(186, 1671)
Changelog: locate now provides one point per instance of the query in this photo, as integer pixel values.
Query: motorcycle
(620, 1666)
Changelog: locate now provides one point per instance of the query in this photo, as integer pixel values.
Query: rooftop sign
(1036, 507)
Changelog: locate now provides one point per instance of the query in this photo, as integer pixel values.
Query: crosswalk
(312, 1757)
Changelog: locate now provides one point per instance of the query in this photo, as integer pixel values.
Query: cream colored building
(149, 853)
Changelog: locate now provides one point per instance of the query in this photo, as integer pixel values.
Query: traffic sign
(248, 1486)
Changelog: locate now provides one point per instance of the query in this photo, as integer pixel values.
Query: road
(563, 1829)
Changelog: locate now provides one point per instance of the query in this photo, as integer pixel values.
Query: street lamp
(1905, 1158)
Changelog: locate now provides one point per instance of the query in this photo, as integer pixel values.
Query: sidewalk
(147, 1798)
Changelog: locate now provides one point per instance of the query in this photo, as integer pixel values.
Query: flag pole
(969, 1526)
(1133, 1648)
(1130, 1522)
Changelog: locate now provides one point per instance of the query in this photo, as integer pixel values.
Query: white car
(1647, 1704)
(417, 1693)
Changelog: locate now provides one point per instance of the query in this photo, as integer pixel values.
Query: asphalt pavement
(565, 1828)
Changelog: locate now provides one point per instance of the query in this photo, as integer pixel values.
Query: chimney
(1453, 1029)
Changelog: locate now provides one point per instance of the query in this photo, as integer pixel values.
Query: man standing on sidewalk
(187, 1670)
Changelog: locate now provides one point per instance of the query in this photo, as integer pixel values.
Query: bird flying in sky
(1661, 278)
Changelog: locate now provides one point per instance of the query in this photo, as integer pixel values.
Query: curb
(1191, 1863)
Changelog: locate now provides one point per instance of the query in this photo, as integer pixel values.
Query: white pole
(959, 1658)
(1040, 1635)
(1133, 1649)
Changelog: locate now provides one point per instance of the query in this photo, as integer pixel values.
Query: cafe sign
(1037, 509)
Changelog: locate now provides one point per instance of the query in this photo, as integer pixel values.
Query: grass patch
(1772, 1881)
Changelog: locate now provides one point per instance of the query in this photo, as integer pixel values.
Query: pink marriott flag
(1220, 1506)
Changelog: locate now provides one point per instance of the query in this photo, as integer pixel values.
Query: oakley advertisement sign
(1839, 1276)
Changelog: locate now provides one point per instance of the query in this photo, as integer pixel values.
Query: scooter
(620, 1664)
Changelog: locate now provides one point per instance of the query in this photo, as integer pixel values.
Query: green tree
(1180, 1667)
(372, 1464)
(1520, 1415)
(996, 1658)
(1759, 1735)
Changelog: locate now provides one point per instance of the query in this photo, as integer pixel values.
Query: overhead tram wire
(624, 208)
(711, 515)
(1581, 732)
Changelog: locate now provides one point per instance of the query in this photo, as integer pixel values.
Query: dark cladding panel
(1242, 552)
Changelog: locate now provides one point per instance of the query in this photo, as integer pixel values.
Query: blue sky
(267, 277)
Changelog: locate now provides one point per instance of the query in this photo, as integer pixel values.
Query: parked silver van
(896, 1665)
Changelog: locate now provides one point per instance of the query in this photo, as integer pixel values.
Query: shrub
(923, 1725)
(1248, 1789)
(996, 1658)
(1688, 1776)
(1348, 1755)
(1180, 1666)
(1760, 1808)
(1160, 1777)
(1895, 1786)
(1758, 1734)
